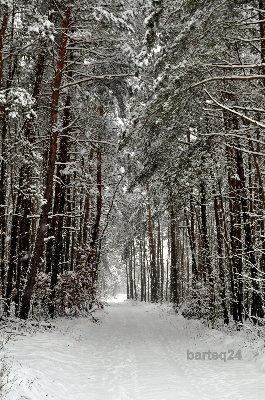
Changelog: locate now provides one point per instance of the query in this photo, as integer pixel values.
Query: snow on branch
(228, 78)
(224, 107)
(97, 78)
(236, 66)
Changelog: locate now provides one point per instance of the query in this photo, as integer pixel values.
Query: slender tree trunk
(206, 253)
(92, 256)
(141, 270)
(13, 257)
(262, 34)
(145, 272)
(194, 268)
(220, 251)
(60, 193)
(87, 201)
(161, 261)
(256, 306)
(174, 273)
(127, 280)
(153, 265)
(131, 273)
(3, 155)
(2, 36)
(134, 271)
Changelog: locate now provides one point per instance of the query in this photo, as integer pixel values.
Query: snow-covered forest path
(136, 352)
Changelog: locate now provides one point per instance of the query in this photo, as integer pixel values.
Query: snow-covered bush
(17, 101)
(75, 294)
(196, 305)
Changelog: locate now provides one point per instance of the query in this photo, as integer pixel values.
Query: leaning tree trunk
(19, 249)
(48, 195)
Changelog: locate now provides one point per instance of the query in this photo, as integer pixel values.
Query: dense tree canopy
(132, 154)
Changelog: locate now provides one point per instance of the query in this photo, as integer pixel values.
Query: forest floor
(133, 352)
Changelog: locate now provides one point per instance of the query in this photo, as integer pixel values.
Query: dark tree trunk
(256, 306)
(3, 162)
(262, 34)
(220, 251)
(153, 265)
(191, 236)
(134, 271)
(87, 202)
(94, 243)
(174, 273)
(60, 194)
(131, 273)
(127, 280)
(145, 272)
(206, 252)
(142, 270)
(160, 261)
(48, 195)
(13, 257)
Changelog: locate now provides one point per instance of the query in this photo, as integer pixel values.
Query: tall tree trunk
(134, 270)
(262, 34)
(87, 201)
(131, 272)
(94, 243)
(13, 261)
(48, 195)
(256, 306)
(158, 261)
(161, 260)
(20, 255)
(220, 251)
(231, 123)
(145, 272)
(60, 193)
(191, 236)
(174, 274)
(23, 249)
(2, 36)
(153, 265)
(127, 279)
(206, 253)
(142, 269)
(3, 155)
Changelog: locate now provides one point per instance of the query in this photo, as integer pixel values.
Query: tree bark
(220, 252)
(174, 273)
(60, 194)
(94, 242)
(153, 265)
(206, 253)
(3, 155)
(48, 195)
(256, 306)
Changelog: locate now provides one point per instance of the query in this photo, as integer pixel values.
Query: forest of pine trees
(132, 153)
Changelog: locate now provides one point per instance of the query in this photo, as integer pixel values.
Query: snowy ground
(134, 352)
